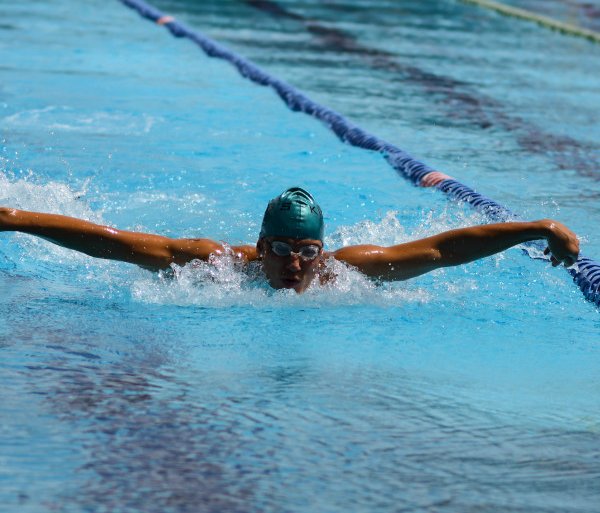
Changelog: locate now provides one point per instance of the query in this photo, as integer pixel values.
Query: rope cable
(585, 272)
(544, 21)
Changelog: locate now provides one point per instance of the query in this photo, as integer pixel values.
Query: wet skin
(292, 271)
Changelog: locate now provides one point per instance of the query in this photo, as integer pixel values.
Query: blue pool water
(471, 389)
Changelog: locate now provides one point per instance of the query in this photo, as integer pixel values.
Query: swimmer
(290, 244)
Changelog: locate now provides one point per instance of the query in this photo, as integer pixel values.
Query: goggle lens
(283, 249)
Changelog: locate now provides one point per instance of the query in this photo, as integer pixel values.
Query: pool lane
(482, 111)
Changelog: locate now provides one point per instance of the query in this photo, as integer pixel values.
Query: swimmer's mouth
(290, 283)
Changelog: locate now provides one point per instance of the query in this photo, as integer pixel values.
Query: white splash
(51, 197)
(390, 230)
(225, 282)
(66, 119)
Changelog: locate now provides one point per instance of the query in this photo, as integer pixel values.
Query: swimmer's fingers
(567, 260)
(552, 258)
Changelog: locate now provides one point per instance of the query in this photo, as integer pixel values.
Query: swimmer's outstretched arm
(457, 247)
(146, 250)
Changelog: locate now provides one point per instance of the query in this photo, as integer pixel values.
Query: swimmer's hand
(563, 245)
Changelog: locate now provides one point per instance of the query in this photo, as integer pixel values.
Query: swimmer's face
(291, 271)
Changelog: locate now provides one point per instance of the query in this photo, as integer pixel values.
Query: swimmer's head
(290, 245)
(293, 214)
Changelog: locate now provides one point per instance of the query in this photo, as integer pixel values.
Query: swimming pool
(472, 389)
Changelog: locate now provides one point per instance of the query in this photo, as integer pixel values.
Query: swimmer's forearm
(147, 250)
(83, 236)
(465, 245)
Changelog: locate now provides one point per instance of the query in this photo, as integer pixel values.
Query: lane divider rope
(585, 272)
(544, 21)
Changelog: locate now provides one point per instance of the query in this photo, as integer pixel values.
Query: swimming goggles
(283, 249)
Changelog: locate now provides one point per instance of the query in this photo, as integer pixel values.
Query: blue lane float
(585, 272)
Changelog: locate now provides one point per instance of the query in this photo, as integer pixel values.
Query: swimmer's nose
(294, 263)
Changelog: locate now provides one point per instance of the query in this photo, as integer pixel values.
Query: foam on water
(390, 230)
(222, 283)
(52, 197)
(66, 119)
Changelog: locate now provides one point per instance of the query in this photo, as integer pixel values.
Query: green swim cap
(293, 214)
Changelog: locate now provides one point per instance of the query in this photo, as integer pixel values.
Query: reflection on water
(152, 453)
(301, 438)
(289, 409)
